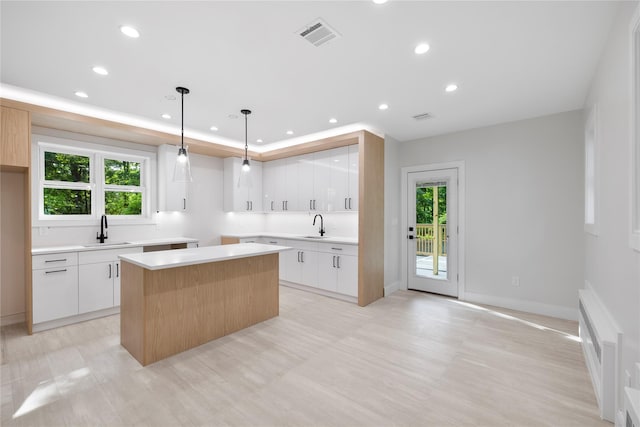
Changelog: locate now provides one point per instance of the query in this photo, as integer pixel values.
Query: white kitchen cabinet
(300, 264)
(273, 180)
(242, 190)
(54, 286)
(306, 193)
(338, 268)
(95, 286)
(172, 196)
(99, 278)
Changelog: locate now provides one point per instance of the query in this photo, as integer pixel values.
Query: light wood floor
(408, 359)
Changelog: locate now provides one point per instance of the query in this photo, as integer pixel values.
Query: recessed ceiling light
(332, 120)
(100, 70)
(166, 116)
(380, 1)
(289, 132)
(82, 94)
(451, 87)
(259, 141)
(421, 48)
(130, 31)
(213, 128)
(383, 107)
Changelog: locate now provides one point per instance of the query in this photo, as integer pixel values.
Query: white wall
(524, 196)
(393, 236)
(611, 266)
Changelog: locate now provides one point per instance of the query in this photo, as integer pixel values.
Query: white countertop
(183, 257)
(325, 239)
(110, 245)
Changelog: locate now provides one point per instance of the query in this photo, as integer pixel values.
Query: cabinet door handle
(247, 205)
(117, 269)
(184, 204)
(56, 260)
(314, 204)
(334, 261)
(349, 202)
(338, 263)
(310, 205)
(298, 256)
(337, 249)
(109, 271)
(273, 242)
(272, 205)
(345, 203)
(55, 271)
(283, 206)
(251, 204)
(286, 205)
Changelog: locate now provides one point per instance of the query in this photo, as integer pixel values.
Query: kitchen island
(176, 300)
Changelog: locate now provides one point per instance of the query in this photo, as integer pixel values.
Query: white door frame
(459, 165)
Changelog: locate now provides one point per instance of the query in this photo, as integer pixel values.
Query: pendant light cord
(246, 146)
(182, 120)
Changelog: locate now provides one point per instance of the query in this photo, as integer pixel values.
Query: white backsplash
(342, 224)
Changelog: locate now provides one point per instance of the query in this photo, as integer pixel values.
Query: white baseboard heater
(631, 407)
(600, 340)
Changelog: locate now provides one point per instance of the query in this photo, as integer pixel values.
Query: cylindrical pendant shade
(182, 170)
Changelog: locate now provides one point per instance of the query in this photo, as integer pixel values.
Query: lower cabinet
(99, 279)
(326, 266)
(338, 273)
(55, 294)
(72, 283)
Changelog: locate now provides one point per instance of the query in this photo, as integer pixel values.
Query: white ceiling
(511, 60)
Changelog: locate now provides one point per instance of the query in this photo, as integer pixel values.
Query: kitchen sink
(314, 237)
(94, 245)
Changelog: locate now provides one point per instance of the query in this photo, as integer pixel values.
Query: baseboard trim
(391, 288)
(75, 319)
(568, 313)
(319, 291)
(12, 319)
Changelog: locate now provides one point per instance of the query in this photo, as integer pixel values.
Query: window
(591, 171)
(122, 192)
(80, 184)
(634, 238)
(65, 187)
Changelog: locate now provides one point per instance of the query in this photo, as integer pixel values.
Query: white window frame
(103, 187)
(96, 153)
(591, 172)
(44, 147)
(634, 120)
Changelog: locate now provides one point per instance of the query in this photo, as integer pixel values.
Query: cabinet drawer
(250, 240)
(339, 249)
(55, 293)
(62, 259)
(105, 255)
(273, 241)
(302, 244)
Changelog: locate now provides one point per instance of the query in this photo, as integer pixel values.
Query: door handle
(109, 271)
(298, 256)
(55, 271)
(272, 205)
(117, 269)
(334, 261)
(338, 262)
(410, 237)
(184, 204)
(345, 203)
(302, 256)
(349, 202)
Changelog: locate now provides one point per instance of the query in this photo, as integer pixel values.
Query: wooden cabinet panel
(16, 130)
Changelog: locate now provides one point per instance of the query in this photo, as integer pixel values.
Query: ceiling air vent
(423, 116)
(317, 32)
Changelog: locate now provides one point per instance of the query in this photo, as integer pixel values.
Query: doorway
(432, 225)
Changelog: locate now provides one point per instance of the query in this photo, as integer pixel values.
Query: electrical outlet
(515, 281)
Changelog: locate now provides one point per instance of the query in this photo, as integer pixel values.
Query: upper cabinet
(242, 189)
(324, 181)
(172, 196)
(16, 131)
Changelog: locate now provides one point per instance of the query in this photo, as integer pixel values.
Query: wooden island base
(164, 312)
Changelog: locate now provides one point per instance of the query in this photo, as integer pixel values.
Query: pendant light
(182, 171)
(245, 163)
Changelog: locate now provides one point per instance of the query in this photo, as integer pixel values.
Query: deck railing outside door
(424, 237)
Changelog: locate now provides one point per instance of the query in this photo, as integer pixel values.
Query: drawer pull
(337, 249)
(273, 242)
(55, 271)
(56, 260)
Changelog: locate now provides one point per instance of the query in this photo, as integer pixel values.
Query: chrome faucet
(103, 228)
(321, 224)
